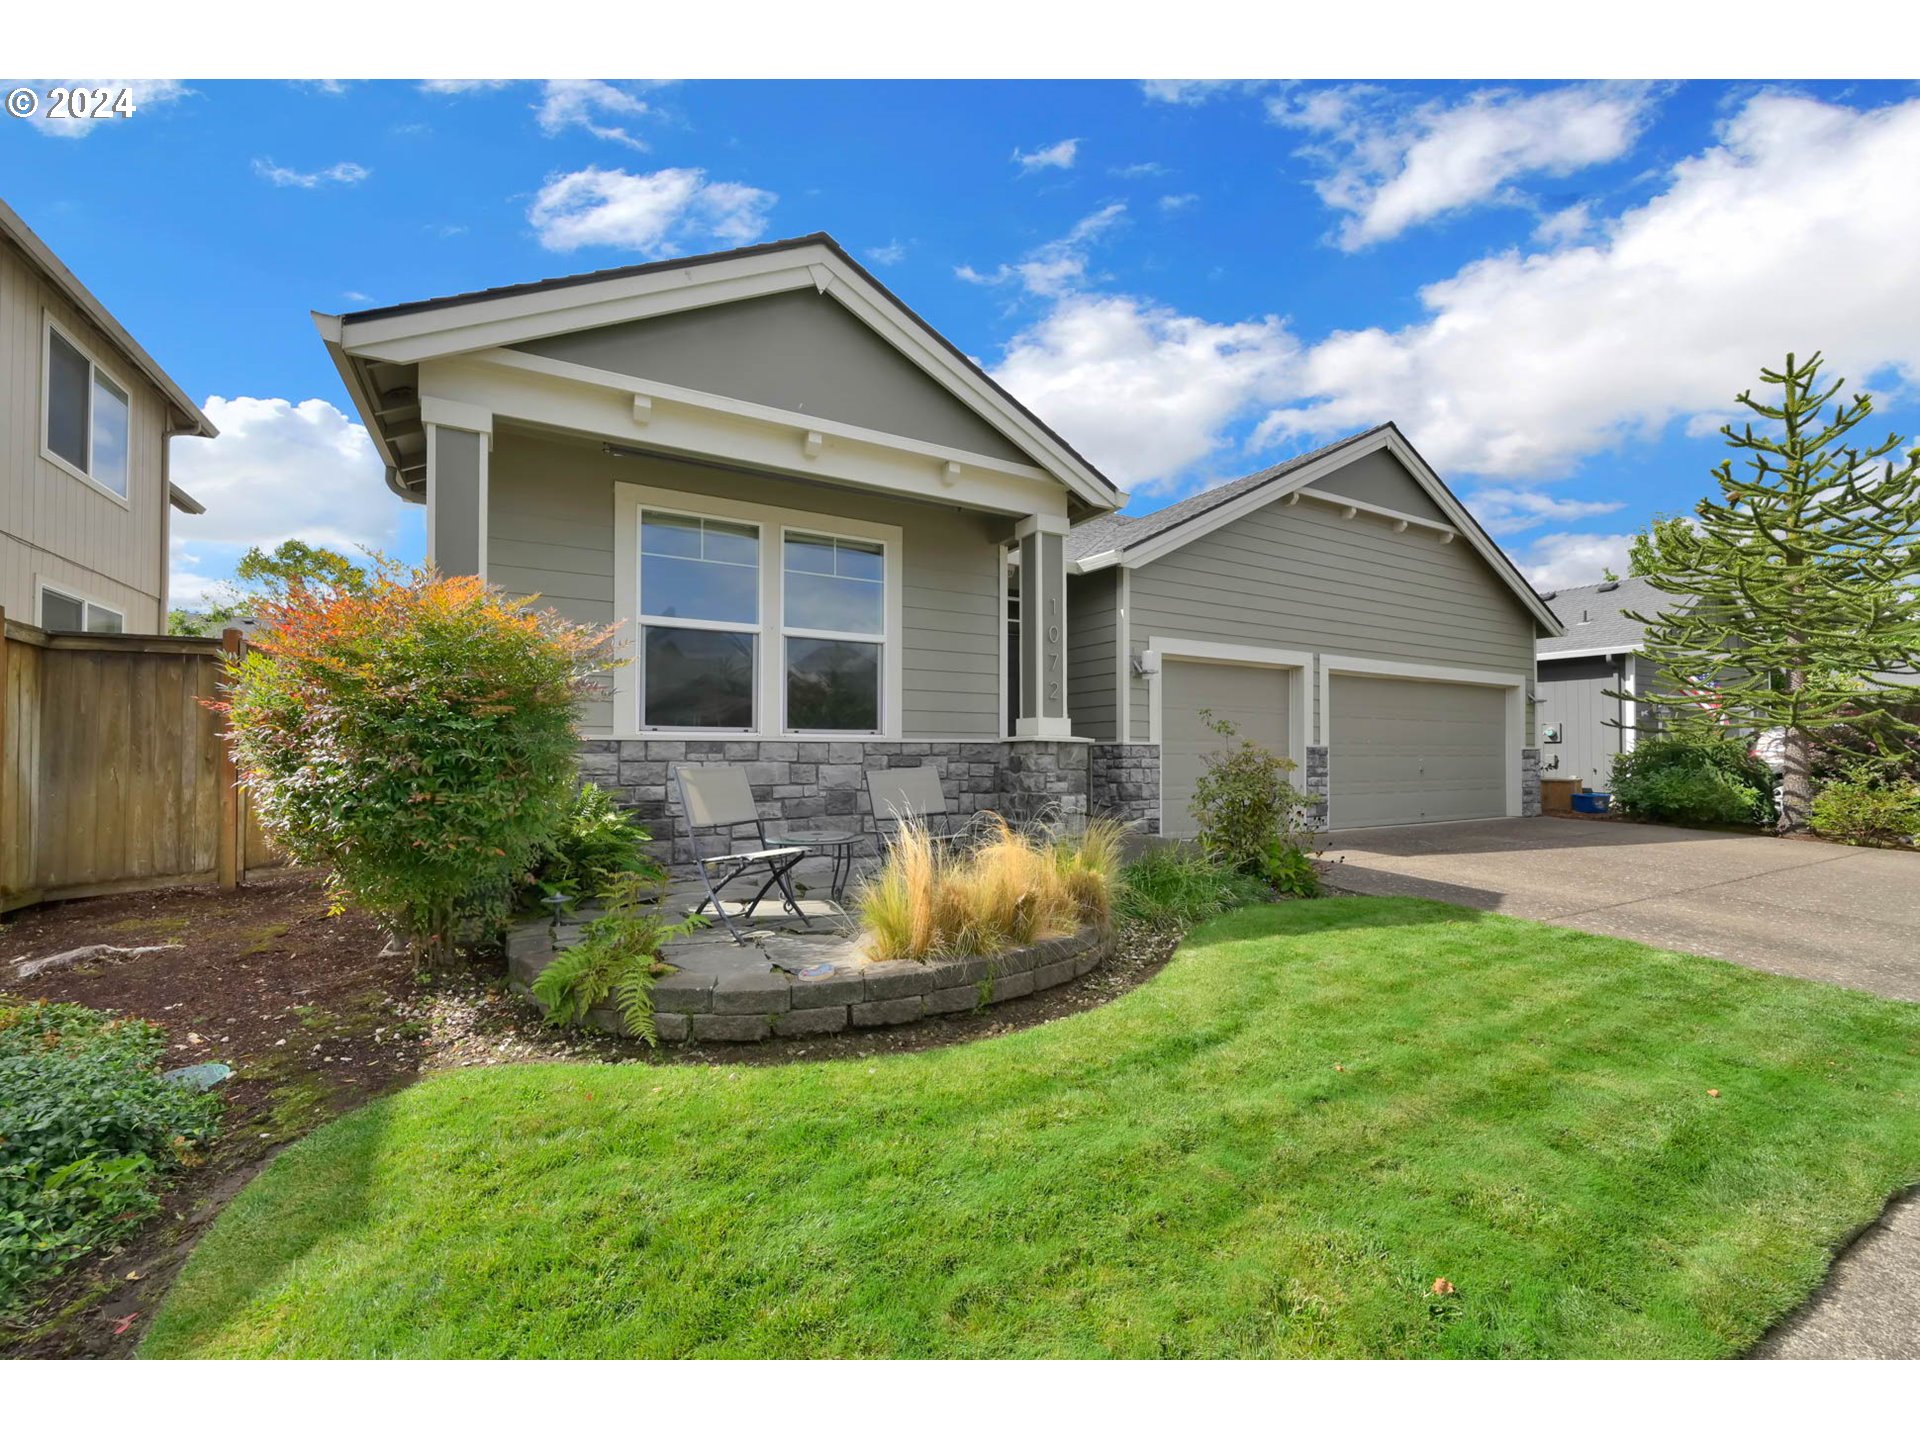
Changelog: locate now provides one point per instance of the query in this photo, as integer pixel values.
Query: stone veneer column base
(1314, 781)
(1123, 783)
(1530, 781)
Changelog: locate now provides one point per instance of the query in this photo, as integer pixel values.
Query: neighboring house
(1582, 727)
(85, 497)
(1343, 609)
(835, 543)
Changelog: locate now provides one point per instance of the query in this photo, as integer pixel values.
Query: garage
(1255, 699)
(1407, 752)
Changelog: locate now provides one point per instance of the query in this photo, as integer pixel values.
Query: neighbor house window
(87, 415)
(833, 623)
(61, 611)
(700, 622)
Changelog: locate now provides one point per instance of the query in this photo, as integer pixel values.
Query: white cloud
(1394, 169)
(592, 106)
(462, 87)
(1554, 562)
(1564, 225)
(1786, 235)
(1170, 203)
(658, 214)
(1507, 510)
(346, 172)
(1191, 92)
(145, 95)
(1143, 170)
(891, 253)
(1057, 156)
(1143, 391)
(1057, 266)
(278, 471)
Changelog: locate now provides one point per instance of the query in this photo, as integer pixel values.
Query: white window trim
(1515, 710)
(784, 632)
(770, 660)
(1169, 647)
(48, 326)
(87, 603)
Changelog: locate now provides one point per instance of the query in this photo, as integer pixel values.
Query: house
(85, 497)
(834, 543)
(1343, 609)
(1583, 722)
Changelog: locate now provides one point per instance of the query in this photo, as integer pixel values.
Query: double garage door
(1401, 752)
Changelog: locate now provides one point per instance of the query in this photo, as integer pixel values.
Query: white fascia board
(1133, 557)
(727, 433)
(1545, 655)
(1402, 518)
(487, 324)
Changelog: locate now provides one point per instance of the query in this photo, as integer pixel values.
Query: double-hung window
(700, 622)
(86, 415)
(833, 624)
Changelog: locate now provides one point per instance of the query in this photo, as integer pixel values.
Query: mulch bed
(317, 1016)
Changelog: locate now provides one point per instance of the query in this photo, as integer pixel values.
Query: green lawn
(1274, 1148)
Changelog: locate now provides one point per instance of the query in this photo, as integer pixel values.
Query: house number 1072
(1053, 648)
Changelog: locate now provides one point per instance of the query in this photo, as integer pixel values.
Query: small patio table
(837, 845)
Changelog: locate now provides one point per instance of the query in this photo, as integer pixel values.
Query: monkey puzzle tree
(1799, 588)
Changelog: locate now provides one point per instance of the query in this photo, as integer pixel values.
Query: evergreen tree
(1798, 591)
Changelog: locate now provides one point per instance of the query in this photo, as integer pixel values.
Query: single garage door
(1406, 751)
(1255, 699)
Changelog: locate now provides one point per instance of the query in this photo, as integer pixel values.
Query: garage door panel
(1254, 699)
(1404, 752)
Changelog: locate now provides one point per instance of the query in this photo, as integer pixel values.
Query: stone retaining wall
(690, 1005)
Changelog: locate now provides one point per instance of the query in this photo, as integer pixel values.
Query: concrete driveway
(1822, 912)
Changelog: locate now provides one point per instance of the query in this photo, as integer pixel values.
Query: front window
(700, 622)
(87, 415)
(833, 624)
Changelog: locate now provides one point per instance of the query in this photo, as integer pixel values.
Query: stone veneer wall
(1123, 783)
(1529, 781)
(1314, 782)
(821, 784)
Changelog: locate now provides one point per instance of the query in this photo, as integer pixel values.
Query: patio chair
(911, 793)
(717, 797)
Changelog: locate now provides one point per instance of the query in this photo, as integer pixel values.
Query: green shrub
(1290, 870)
(596, 842)
(1178, 888)
(415, 738)
(1693, 777)
(85, 1125)
(1865, 809)
(1244, 804)
(617, 958)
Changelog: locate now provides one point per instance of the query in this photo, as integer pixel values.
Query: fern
(618, 957)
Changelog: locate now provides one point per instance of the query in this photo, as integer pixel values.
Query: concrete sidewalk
(1821, 912)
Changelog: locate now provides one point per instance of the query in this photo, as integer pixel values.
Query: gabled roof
(1595, 619)
(84, 300)
(1135, 540)
(479, 319)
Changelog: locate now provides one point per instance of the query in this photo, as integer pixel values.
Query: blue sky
(1555, 289)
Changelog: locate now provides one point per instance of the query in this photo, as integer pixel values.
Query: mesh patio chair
(912, 793)
(717, 797)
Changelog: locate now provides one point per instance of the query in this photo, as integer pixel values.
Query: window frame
(642, 620)
(770, 698)
(806, 632)
(49, 327)
(86, 603)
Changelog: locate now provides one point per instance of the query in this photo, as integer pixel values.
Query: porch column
(1043, 629)
(457, 500)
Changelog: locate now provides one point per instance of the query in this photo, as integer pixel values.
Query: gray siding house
(86, 420)
(1584, 724)
(833, 543)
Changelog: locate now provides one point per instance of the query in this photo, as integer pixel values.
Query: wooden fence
(113, 775)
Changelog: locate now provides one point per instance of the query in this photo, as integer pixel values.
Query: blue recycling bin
(1592, 802)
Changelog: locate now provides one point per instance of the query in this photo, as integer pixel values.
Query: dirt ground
(317, 1015)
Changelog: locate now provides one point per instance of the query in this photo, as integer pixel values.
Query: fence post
(232, 842)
